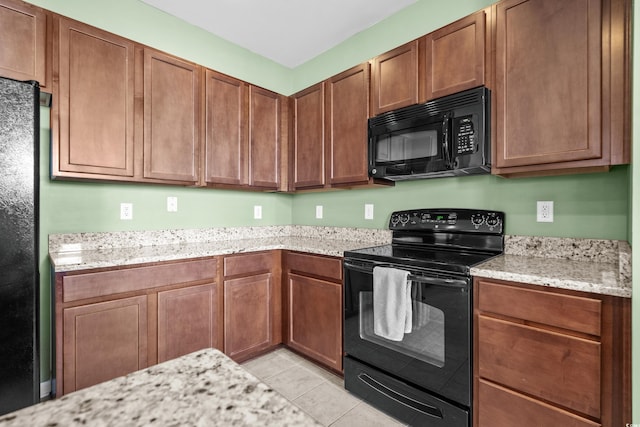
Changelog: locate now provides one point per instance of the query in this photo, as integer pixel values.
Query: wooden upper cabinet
(226, 142)
(309, 138)
(265, 115)
(454, 58)
(23, 52)
(347, 111)
(171, 117)
(394, 78)
(555, 76)
(93, 108)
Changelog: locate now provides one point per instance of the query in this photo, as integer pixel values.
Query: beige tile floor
(316, 391)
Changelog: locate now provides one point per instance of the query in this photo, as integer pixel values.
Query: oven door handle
(438, 281)
(400, 398)
(452, 283)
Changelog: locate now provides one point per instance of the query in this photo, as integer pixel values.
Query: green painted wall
(593, 205)
(589, 205)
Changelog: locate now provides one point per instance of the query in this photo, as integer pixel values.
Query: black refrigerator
(19, 277)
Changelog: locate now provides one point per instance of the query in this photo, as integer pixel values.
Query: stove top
(454, 261)
(448, 240)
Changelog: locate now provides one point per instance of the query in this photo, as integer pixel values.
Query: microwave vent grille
(430, 108)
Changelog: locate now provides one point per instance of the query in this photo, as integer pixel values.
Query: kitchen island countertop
(204, 388)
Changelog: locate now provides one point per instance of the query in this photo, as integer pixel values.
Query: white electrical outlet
(126, 211)
(257, 212)
(545, 211)
(368, 211)
(172, 204)
(319, 212)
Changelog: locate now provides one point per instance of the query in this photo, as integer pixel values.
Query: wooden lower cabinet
(247, 315)
(546, 357)
(252, 313)
(504, 407)
(104, 341)
(113, 322)
(187, 320)
(314, 307)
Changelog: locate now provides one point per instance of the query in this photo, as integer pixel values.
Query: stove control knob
(394, 219)
(477, 219)
(492, 220)
(404, 218)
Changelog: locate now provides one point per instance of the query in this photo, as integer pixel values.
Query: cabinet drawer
(564, 311)
(496, 409)
(315, 265)
(555, 367)
(135, 279)
(258, 262)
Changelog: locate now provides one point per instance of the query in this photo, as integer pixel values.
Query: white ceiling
(289, 32)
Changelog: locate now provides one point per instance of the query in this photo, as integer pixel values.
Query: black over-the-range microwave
(448, 136)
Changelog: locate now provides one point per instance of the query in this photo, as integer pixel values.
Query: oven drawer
(399, 399)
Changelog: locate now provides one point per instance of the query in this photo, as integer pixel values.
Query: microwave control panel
(465, 135)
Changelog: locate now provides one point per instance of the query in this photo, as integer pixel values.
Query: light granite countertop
(204, 388)
(590, 265)
(82, 251)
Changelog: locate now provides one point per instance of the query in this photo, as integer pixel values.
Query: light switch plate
(172, 204)
(257, 212)
(368, 211)
(319, 212)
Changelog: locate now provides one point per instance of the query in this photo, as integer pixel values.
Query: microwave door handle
(445, 139)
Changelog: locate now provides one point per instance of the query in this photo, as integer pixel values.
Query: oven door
(435, 355)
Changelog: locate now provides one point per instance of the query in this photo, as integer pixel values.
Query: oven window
(408, 145)
(425, 342)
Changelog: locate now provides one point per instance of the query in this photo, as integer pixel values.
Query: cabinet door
(104, 341)
(264, 138)
(226, 150)
(315, 319)
(247, 315)
(394, 79)
(548, 82)
(171, 118)
(23, 49)
(309, 139)
(454, 57)
(93, 108)
(187, 321)
(347, 113)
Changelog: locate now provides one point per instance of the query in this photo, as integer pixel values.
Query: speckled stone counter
(590, 265)
(597, 266)
(204, 388)
(71, 252)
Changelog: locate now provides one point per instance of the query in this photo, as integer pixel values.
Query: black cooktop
(454, 261)
(447, 240)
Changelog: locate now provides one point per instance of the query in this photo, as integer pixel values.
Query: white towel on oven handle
(392, 311)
